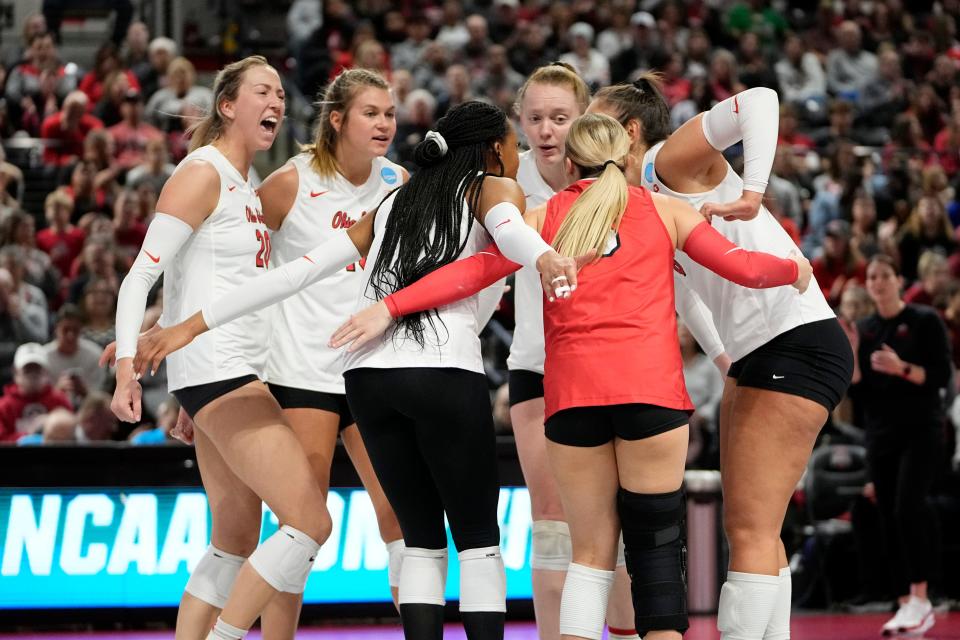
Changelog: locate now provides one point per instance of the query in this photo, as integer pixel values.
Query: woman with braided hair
(420, 396)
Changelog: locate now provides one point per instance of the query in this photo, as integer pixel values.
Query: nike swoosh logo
(231, 187)
(309, 260)
(314, 194)
(776, 377)
(736, 105)
(501, 224)
(155, 260)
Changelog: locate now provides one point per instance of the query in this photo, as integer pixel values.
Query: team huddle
(345, 297)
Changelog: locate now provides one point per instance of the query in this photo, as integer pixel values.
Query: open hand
(362, 327)
(885, 360)
(746, 207)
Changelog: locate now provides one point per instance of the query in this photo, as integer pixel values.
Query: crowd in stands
(868, 158)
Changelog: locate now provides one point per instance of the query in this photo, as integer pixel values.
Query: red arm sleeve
(453, 282)
(753, 269)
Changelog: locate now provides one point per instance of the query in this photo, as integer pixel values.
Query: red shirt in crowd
(93, 87)
(19, 413)
(62, 247)
(916, 294)
(71, 142)
(828, 272)
(130, 144)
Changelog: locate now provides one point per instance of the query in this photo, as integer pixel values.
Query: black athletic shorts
(192, 399)
(813, 361)
(292, 398)
(594, 426)
(524, 385)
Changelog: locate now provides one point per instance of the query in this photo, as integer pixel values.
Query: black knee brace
(654, 537)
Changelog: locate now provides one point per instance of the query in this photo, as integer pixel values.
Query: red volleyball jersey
(614, 341)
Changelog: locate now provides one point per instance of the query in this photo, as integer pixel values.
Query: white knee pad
(746, 605)
(394, 561)
(551, 548)
(213, 577)
(583, 605)
(779, 626)
(483, 581)
(423, 577)
(284, 559)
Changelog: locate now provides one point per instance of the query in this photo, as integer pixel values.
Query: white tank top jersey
(527, 349)
(745, 318)
(231, 247)
(299, 356)
(455, 343)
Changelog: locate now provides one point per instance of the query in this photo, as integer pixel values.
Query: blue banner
(135, 548)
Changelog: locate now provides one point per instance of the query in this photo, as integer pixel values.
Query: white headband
(436, 137)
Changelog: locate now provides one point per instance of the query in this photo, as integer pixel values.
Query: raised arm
(691, 160)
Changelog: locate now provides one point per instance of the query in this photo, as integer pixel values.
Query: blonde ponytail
(597, 145)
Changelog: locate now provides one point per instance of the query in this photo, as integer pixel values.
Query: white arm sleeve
(516, 240)
(165, 236)
(277, 284)
(697, 317)
(754, 117)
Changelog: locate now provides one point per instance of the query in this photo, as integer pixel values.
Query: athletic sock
(224, 631)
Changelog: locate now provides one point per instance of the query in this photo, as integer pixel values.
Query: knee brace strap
(213, 577)
(551, 548)
(654, 536)
(394, 561)
(423, 577)
(284, 559)
(483, 582)
(583, 605)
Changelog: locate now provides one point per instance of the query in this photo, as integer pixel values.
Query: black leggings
(429, 433)
(903, 477)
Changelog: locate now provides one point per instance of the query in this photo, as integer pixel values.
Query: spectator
(106, 62)
(160, 53)
(59, 427)
(166, 419)
(850, 68)
(699, 54)
(618, 36)
(946, 144)
(533, 49)
(881, 101)
(943, 77)
(166, 106)
(33, 24)
(724, 81)
(503, 22)
(934, 279)
(23, 81)
(23, 300)
(457, 89)
(902, 363)
(99, 306)
(155, 170)
(928, 228)
(128, 230)
(420, 108)
(19, 230)
(370, 54)
(840, 127)
(754, 69)
(37, 107)
(131, 135)
(783, 188)
(929, 109)
(587, 61)
(453, 34)
(430, 74)
(401, 84)
(474, 52)
(864, 239)
(135, 50)
(62, 241)
(115, 88)
(72, 361)
(11, 179)
(789, 134)
(303, 18)
(95, 419)
(86, 195)
(499, 82)
(839, 264)
(674, 85)
(801, 76)
(409, 53)
(30, 396)
(67, 129)
(98, 261)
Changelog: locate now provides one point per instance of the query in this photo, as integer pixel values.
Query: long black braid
(423, 231)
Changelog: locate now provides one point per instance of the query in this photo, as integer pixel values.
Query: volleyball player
(208, 236)
(791, 361)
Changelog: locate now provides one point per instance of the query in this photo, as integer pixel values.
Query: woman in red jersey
(616, 403)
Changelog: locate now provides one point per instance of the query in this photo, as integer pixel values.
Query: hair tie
(436, 137)
(613, 162)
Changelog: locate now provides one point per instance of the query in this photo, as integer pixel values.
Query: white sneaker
(913, 618)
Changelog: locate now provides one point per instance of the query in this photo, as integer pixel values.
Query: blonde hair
(929, 262)
(338, 97)
(226, 86)
(597, 145)
(58, 196)
(557, 74)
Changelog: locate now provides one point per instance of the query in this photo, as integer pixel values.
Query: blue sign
(389, 175)
(135, 548)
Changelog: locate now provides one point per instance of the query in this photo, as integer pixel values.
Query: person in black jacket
(902, 362)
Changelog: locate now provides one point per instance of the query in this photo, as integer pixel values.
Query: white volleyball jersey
(454, 344)
(299, 355)
(527, 350)
(745, 318)
(231, 247)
